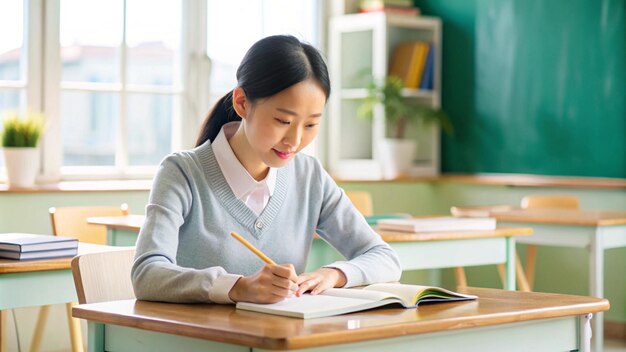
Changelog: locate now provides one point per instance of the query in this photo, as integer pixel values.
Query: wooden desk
(595, 230)
(27, 283)
(498, 321)
(416, 251)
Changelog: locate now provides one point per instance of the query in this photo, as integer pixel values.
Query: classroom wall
(562, 270)
(534, 86)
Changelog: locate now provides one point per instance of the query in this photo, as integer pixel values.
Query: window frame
(31, 57)
(43, 87)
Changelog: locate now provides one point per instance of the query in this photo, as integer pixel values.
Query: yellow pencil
(252, 248)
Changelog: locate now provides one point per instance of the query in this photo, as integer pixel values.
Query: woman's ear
(240, 102)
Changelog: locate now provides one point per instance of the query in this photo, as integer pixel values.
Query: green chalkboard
(534, 86)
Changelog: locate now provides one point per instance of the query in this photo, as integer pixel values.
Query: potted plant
(20, 136)
(397, 153)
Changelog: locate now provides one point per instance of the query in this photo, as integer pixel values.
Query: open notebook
(337, 301)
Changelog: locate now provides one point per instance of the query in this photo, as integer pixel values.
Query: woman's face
(278, 127)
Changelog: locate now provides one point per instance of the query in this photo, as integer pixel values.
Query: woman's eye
(313, 125)
(283, 122)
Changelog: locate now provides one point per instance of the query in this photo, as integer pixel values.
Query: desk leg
(596, 284)
(585, 332)
(110, 236)
(3, 336)
(510, 264)
(95, 336)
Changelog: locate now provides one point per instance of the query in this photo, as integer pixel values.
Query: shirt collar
(235, 174)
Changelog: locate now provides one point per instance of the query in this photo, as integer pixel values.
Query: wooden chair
(72, 222)
(544, 201)
(484, 211)
(362, 201)
(103, 276)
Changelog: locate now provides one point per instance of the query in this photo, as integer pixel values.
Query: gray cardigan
(185, 252)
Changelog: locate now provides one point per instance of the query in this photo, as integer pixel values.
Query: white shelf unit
(360, 49)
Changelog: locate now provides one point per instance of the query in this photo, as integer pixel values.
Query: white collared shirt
(255, 194)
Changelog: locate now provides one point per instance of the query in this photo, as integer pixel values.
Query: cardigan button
(259, 225)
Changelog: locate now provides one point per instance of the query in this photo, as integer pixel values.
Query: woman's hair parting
(271, 65)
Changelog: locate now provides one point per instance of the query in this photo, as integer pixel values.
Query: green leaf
(400, 109)
(22, 131)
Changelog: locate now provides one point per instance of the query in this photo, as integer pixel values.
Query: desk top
(224, 323)
(134, 223)
(581, 217)
(128, 222)
(8, 266)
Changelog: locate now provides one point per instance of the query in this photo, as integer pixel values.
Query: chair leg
(522, 281)
(459, 276)
(74, 324)
(3, 323)
(40, 326)
(531, 258)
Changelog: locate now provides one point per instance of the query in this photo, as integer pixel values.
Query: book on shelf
(397, 7)
(336, 301)
(41, 246)
(419, 63)
(437, 224)
(426, 82)
(45, 254)
(407, 62)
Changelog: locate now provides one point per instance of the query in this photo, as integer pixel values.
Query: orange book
(406, 60)
(401, 60)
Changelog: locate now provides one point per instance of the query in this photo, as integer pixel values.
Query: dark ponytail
(221, 114)
(270, 66)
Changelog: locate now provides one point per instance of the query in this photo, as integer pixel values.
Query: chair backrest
(362, 201)
(104, 276)
(556, 201)
(72, 222)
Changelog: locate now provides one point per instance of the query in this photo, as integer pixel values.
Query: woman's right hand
(271, 284)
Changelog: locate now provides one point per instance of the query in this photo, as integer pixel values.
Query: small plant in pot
(20, 136)
(397, 153)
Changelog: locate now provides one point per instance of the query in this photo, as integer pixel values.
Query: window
(128, 81)
(226, 48)
(12, 63)
(120, 86)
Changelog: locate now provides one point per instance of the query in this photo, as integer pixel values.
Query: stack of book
(438, 224)
(23, 246)
(396, 7)
(413, 62)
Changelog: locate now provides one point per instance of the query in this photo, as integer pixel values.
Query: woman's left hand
(320, 280)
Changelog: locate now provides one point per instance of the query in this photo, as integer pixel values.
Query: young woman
(246, 176)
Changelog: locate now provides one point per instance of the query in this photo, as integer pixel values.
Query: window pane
(149, 127)
(11, 39)
(12, 99)
(226, 48)
(153, 41)
(90, 34)
(298, 18)
(88, 127)
(228, 40)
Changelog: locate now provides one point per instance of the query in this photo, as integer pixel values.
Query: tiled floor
(614, 345)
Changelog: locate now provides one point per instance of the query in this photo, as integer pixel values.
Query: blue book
(26, 242)
(45, 254)
(427, 77)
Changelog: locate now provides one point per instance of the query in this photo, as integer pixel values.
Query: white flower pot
(22, 165)
(396, 156)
